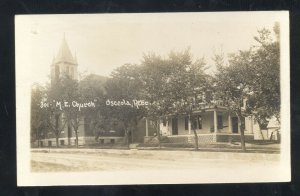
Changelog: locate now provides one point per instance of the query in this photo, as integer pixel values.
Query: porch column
(189, 125)
(239, 126)
(229, 124)
(215, 121)
(146, 127)
(168, 128)
(251, 122)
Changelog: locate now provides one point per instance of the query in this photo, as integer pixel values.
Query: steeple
(64, 63)
(64, 54)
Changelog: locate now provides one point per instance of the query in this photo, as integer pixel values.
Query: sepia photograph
(152, 98)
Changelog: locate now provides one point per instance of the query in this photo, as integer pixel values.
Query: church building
(66, 64)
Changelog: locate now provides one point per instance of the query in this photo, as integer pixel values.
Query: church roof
(64, 54)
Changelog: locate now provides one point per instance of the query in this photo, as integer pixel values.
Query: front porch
(212, 125)
(202, 138)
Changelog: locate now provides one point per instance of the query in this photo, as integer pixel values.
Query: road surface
(112, 160)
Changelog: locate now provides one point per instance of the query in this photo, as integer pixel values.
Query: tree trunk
(242, 134)
(57, 129)
(243, 139)
(76, 136)
(39, 142)
(261, 133)
(196, 140)
(69, 134)
(56, 141)
(38, 138)
(195, 133)
(158, 134)
(127, 137)
(131, 134)
(260, 130)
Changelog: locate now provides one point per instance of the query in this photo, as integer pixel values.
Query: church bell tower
(64, 63)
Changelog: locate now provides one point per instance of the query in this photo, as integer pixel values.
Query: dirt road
(106, 160)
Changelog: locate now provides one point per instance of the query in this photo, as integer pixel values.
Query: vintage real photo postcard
(156, 98)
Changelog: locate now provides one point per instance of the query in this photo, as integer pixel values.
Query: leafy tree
(198, 83)
(73, 115)
(92, 87)
(125, 86)
(89, 90)
(172, 86)
(38, 113)
(232, 86)
(265, 99)
(60, 111)
(55, 115)
(251, 75)
(156, 74)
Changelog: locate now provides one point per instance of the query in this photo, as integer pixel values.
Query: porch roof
(203, 109)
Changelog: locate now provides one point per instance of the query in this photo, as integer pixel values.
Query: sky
(103, 42)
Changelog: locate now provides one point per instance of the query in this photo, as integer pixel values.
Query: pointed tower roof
(64, 54)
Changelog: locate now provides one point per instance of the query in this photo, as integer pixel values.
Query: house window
(199, 119)
(186, 123)
(220, 122)
(197, 122)
(243, 122)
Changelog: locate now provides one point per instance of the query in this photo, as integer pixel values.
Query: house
(213, 123)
